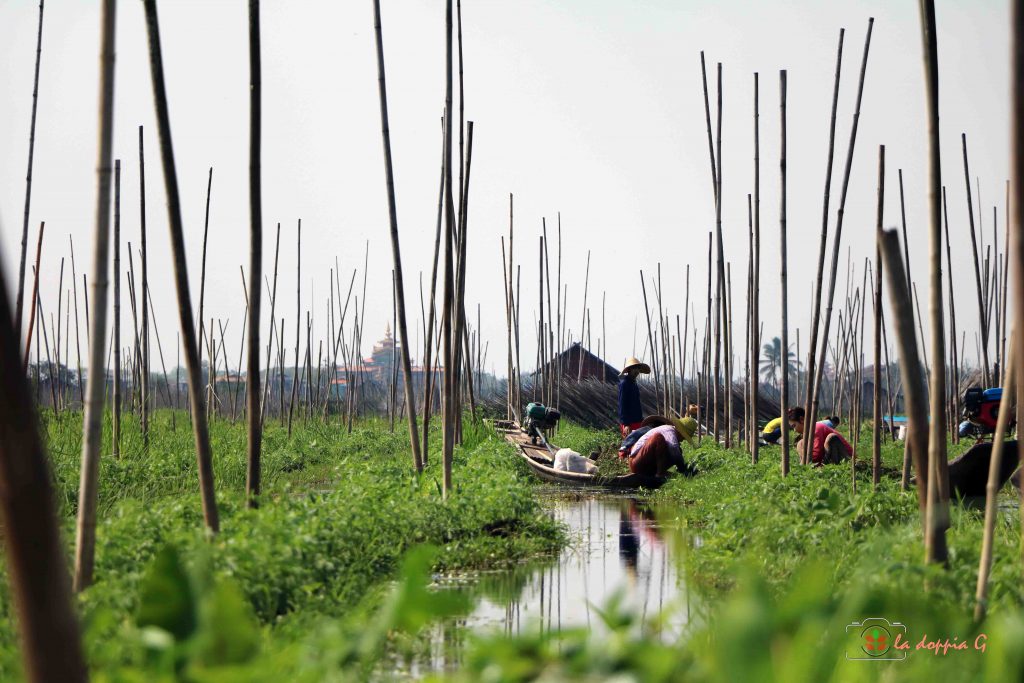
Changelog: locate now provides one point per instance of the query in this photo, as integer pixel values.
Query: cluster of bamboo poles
(30, 527)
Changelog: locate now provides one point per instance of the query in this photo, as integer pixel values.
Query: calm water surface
(618, 546)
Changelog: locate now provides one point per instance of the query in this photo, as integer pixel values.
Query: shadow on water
(617, 546)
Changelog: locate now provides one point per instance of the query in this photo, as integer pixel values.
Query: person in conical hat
(631, 413)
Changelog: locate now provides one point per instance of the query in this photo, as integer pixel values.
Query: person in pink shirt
(828, 448)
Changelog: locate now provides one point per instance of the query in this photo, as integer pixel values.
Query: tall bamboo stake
(906, 241)
(428, 336)
(202, 272)
(35, 296)
(50, 642)
(938, 470)
(876, 416)
(811, 414)
(116, 408)
(784, 395)
(204, 456)
(755, 298)
(993, 485)
(977, 267)
(298, 329)
(78, 345)
(510, 305)
(1017, 190)
(145, 299)
(460, 322)
(28, 175)
(273, 325)
(810, 400)
(955, 371)
(85, 531)
(395, 250)
(252, 384)
(160, 352)
(915, 404)
(448, 420)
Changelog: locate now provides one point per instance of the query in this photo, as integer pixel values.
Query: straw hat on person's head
(632, 363)
(686, 427)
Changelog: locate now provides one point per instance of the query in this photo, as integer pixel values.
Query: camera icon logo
(875, 639)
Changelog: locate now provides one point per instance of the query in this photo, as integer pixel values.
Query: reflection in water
(617, 547)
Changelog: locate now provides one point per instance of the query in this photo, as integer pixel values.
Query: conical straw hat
(632, 362)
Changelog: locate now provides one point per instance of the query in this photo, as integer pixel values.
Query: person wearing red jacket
(828, 448)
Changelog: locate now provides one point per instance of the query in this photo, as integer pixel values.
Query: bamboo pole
(876, 443)
(46, 347)
(160, 352)
(1017, 191)
(204, 457)
(428, 336)
(955, 372)
(116, 407)
(977, 266)
(729, 354)
(938, 471)
(35, 297)
(906, 240)
(241, 351)
(810, 400)
(916, 406)
(993, 485)
(784, 394)
(755, 298)
(85, 532)
(273, 326)
(78, 345)
(448, 444)
(586, 288)
(50, 641)
(252, 384)
(298, 330)
(811, 414)
(145, 299)
(395, 250)
(720, 339)
(514, 407)
(28, 176)
(1006, 268)
(57, 335)
(202, 273)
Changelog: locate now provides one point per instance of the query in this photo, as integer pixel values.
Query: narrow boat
(540, 458)
(968, 473)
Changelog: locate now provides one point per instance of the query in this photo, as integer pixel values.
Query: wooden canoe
(968, 474)
(540, 458)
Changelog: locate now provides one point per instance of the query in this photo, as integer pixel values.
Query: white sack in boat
(569, 460)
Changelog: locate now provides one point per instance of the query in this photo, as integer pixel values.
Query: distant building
(577, 363)
(379, 367)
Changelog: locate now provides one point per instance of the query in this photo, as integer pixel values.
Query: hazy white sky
(588, 107)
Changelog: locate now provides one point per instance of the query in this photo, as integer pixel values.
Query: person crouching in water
(659, 449)
(631, 413)
(828, 446)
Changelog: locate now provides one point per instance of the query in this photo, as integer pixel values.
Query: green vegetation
(299, 590)
(339, 512)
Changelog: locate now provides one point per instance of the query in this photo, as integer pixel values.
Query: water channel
(618, 548)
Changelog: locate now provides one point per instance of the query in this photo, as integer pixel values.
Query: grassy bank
(339, 512)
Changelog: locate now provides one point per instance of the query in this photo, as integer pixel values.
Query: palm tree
(771, 361)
